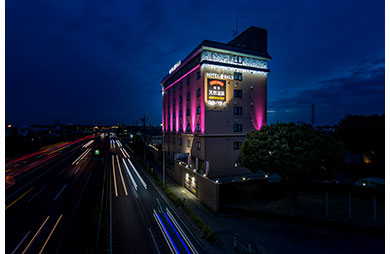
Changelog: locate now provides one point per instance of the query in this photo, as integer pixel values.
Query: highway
(56, 206)
(142, 218)
(41, 205)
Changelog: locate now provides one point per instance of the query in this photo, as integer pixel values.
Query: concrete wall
(206, 190)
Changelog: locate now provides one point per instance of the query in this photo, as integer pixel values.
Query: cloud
(359, 90)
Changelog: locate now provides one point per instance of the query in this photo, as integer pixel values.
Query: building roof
(253, 41)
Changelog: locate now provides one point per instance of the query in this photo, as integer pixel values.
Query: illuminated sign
(233, 59)
(174, 67)
(216, 75)
(190, 183)
(216, 90)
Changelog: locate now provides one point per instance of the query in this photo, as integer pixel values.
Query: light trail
(21, 242)
(44, 245)
(130, 175)
(88, 150)
(79, 157)
(113, 172)
(35, 236)
(120, 172)
(124, 155)
(36, 194)
(87, 144)
(138, 175)
(165, 233)
(181, 232)
(174, 229)
(24, 194)
(59, 193)
(124, 150)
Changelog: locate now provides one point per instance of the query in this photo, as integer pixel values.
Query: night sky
(102, 61)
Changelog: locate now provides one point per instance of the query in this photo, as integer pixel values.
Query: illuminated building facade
(212, 98)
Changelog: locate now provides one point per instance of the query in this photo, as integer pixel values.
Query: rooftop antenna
(235, 32)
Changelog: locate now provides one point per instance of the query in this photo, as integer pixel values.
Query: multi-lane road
(58, 205)
(143, 219)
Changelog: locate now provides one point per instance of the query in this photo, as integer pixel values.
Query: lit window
(238, 76)
(238, 93)
(237, 127)
(237, 110)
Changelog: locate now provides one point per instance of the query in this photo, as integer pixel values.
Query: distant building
(212, 99)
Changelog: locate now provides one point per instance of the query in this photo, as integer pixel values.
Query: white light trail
(89, 149)
(81, 156)
(87, 144)
(139, 176)
(164, 232)
(181, 232)
(130, 175)
(120, 172)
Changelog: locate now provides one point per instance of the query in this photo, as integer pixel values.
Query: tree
(365, 134)
(295, 152)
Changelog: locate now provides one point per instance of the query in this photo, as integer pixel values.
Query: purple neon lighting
(259, 115)
(185, 75)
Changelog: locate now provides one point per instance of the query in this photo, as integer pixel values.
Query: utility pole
(313, 110)
(144, 133)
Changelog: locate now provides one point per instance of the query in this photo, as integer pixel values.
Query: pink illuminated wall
(193, 119)
(259, 112)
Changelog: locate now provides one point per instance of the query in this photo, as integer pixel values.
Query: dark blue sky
(102, 61)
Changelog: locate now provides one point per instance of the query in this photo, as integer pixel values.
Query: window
(237, 127)
(238, 76)
(188, 81)
(237, 145)
(238, 93)
(180, 129)
(174, 90)
(198, 92)
(188, 127)
(179, 141)
(188, 96)
(188, 111)
(198, 110)
(197, 145)
(181, 85)
(169, 115)
(198, 75)
(169, 92)
(188, 143)
(180, 99)
(180, 113)
(174, 102)
(198, 128)
(237, 110)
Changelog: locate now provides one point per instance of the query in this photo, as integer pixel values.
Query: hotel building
(211, 99)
